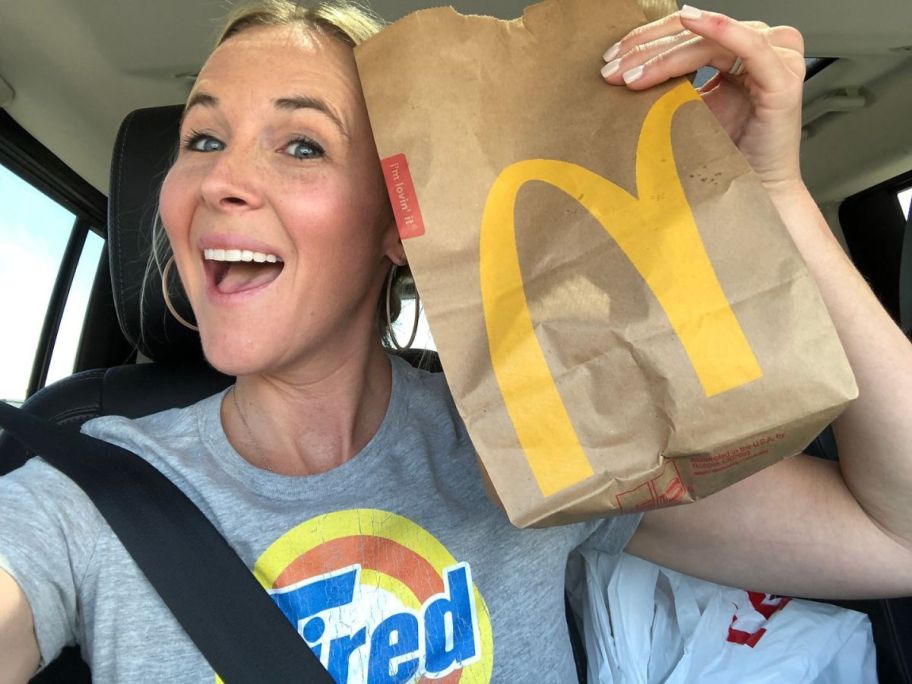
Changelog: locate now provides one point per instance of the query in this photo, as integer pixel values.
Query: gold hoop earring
(180, 319)
(389, 322)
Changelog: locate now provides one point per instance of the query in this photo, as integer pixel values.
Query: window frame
(874, 227)
(53, 316)
(26, 157)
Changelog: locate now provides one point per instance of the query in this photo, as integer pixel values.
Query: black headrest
(143, 153)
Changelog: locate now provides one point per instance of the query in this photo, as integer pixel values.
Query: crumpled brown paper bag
(623, 319)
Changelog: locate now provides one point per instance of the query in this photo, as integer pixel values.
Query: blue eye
(199, 142)
(302, 148)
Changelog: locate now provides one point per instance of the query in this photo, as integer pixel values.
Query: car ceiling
(77, 67)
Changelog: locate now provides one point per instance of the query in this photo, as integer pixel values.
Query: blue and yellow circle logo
(379, 599)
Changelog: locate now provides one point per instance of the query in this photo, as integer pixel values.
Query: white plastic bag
(645, 624)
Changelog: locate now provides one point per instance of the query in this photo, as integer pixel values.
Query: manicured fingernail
(688, 12)
(612, 52)
(610, 68)
(633, 74)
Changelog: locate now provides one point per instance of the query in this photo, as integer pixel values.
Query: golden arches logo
(658, 234)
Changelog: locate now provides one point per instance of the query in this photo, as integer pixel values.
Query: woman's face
(278, 166)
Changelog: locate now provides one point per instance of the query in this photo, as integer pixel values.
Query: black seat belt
(207, 587)
(905, 280)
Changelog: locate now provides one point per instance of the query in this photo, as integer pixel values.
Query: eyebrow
(307, 102)
(201, 99)
(198, 99)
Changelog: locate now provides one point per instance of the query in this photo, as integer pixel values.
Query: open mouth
(232, 271)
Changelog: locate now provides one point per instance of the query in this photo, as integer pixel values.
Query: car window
(905, 200)
(64, 356)
(34, 231)
(403, 327)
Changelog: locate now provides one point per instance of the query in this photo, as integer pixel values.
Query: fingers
(667, 26)
(683, 42)
(794, 61)
(646, 52)
(737, 39)
(647, 67)
(786, 37)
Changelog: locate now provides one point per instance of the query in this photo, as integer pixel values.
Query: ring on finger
(737, 67)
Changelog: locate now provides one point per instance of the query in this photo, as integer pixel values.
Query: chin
(234, 356)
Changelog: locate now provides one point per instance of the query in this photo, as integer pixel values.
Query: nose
(231, 181)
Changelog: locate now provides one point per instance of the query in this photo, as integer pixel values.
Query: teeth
(239, 255)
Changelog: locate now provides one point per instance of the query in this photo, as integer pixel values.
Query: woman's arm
(804, 526)
(808, 527)
(19, 655)
(875, 433)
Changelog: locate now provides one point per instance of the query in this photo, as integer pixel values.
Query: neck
(308, 421)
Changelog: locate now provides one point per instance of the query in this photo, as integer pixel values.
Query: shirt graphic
(380, 600)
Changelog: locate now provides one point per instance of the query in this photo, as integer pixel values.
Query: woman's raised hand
(756, 95)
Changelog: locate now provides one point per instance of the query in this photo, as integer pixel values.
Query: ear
(393, 248)
(397, 255)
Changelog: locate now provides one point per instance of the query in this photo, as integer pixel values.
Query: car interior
(91, 96)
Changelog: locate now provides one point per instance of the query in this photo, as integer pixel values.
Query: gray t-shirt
(391, 566)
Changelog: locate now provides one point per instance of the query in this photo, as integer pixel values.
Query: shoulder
(167, 429)
(47, 539)
(41, 489)
(427, 400)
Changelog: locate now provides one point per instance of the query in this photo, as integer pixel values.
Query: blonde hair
(347, 22)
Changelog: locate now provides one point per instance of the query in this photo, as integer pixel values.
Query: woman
(331, 465)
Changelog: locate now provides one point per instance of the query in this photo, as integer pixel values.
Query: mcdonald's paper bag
(622, 318)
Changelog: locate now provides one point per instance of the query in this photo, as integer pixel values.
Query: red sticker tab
(402, 196)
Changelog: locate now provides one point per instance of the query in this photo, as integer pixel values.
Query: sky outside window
(402, 327)
(64, 356)
(905, 200)
(33, 234)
